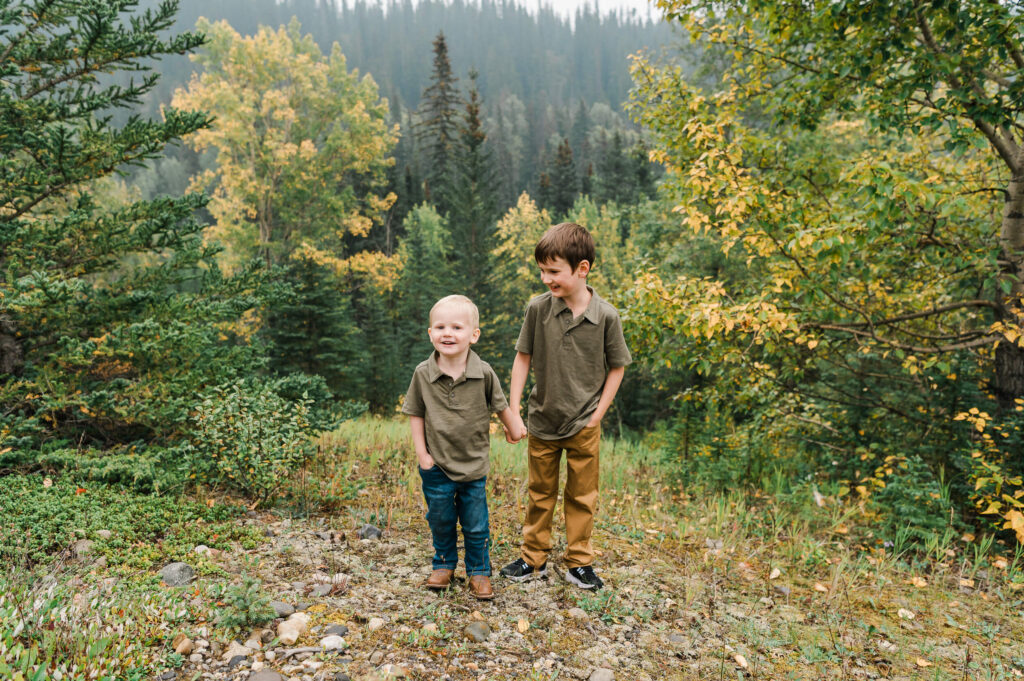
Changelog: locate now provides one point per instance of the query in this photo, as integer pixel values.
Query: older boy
(573, 340)
(450, 400)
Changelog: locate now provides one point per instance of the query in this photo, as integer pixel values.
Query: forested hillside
(541, 77)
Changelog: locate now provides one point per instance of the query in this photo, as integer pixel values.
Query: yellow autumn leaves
(293, 133)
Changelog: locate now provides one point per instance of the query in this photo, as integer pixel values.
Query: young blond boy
(573, 340)
(450, 400)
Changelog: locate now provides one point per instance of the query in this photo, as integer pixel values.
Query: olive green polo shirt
(570, 360)
(457, 414)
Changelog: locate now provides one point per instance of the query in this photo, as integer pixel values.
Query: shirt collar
(474, 367)
(591, 314)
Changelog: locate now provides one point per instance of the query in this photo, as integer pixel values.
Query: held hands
(515, 431)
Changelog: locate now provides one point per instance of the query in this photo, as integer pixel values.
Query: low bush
(247, 437)
(40, 517)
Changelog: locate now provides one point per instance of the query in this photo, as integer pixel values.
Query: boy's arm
(520, 370)
(419, 440)
(611, 386)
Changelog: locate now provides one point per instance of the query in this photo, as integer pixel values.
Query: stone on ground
(177, 574)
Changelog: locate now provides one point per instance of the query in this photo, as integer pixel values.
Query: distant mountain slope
(541, 58)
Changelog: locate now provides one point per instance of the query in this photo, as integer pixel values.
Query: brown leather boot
(480, 587)
(440, 579)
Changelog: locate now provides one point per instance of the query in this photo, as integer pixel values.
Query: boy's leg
(581, 489)
(543, 457)
(471, 506)
(439, 491)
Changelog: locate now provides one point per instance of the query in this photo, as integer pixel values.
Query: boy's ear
(583, 268)
(475, 337)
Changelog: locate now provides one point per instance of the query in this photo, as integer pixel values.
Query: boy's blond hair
(474, 313)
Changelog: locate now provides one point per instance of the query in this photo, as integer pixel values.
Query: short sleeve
(615, 351)
(496, 398)
(527, 332)
(414, 404)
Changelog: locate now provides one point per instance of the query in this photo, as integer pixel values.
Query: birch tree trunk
(1009, 357)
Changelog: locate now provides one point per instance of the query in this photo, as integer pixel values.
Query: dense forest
(811, 224)
(540, 79)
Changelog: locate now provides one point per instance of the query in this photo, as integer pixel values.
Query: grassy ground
(769, 585)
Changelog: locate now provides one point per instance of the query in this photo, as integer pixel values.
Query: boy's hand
(426, 461)
(518, 430)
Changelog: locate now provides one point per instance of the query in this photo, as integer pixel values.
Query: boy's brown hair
(568, 241)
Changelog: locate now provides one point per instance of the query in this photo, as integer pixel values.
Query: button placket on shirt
(567, 325)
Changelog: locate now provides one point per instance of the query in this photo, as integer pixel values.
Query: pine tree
(438, 127)
(312, 332)
(473, 209)
(564, 183)
(578, 140)
(113, 314)
(614, 183)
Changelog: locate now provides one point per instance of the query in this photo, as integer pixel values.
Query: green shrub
(249, 438)
(244, 605)
(916, 503)
(40, 517)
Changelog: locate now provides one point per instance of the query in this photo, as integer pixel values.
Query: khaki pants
(581, 482)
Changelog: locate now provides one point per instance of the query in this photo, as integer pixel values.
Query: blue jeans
(465, 503)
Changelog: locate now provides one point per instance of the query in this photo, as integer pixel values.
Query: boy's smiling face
(562, 280)
(452, 330)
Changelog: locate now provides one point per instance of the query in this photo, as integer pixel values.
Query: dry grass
(739, 585)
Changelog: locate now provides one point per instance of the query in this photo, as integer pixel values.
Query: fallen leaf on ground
(740, 660)
(919, 582)
(776, 573)
(1000, 563)
(921, 662)
(523, 626)
(477, 616)
(967, 582)
(818, 586)
(905, 614)
(841, 529)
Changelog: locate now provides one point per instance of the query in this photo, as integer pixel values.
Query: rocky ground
(736, 586)
(685, 608)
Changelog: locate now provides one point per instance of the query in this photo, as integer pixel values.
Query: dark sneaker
(520, 571)
(584, 577)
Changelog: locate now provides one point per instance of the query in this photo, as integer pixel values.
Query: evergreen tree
(473, 210)
(578, 140)
(614, 183)
(438, 128)
(564, 183)
(113, 315)
(313, 332)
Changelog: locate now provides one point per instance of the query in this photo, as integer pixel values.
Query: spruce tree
(112, 312)
(614, 183)
(438, 128)
(312, 331)
(473, 209)
(564, 183)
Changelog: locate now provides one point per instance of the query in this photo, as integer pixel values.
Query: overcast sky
(568, 7)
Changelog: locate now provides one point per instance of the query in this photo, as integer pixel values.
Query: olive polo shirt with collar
(570, 359)
(456, 414)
